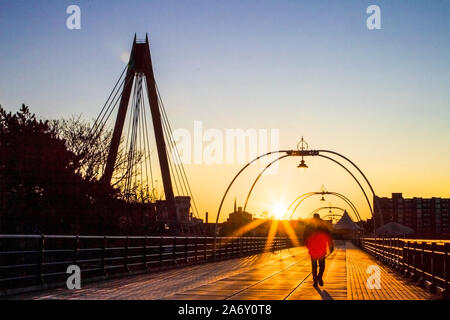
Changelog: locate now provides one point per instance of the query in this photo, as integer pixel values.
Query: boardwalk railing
(423, 260)
(30, 262)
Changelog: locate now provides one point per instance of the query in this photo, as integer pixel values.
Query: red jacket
(317, 238)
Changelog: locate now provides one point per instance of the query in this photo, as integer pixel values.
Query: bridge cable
(98, 121)
(176, 153)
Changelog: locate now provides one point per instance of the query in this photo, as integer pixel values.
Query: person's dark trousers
(316, 275)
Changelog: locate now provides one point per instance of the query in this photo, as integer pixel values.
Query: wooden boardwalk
(281, 276)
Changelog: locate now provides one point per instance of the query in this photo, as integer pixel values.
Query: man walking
(317, 237)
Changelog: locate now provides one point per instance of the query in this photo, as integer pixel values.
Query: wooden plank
(393, 286)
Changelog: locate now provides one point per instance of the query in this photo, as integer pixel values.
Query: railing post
(446, 293)
(422, 262)
(233, 247)
(380, 249)
(104, 255)
(186, 250)
(41, 258)
(226, 248)
(161, 251)
(404, 256)
(391, 252)
(397, 253)
(126, 253)
(403, 251)
(174, 248)
(214, 254)
(205, 248)
(432, 266)
(412, 255)
(196, 256)
(388, 251)
(76, 249)
(377, 249)
(412, 261)
(145, 252)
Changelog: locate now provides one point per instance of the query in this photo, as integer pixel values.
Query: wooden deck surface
(281, 276)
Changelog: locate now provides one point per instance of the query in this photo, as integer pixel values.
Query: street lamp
(302, 165)
(323, 190)
(302, 146)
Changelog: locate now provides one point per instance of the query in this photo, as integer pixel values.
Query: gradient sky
(308, 68)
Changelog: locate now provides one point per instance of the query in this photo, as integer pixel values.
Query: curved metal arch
(380, 216)
(322, 193)
(331, 159)
(303, 153)
(349, 172)
(337, 194)
(307, 195)
(333, 215)
(322, 208)
(234, 179)
(259, 176)
(338, 208)
(228, 188)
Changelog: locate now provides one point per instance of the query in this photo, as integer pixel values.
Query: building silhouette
(428, 217)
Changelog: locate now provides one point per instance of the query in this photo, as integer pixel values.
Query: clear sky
(308, 68)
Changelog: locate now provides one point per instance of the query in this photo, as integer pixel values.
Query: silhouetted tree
(40, 189)
(50, 180)
(90, 144)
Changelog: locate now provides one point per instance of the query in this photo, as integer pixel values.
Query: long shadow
(324, 294)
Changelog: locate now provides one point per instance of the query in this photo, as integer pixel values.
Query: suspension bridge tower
(140, 72)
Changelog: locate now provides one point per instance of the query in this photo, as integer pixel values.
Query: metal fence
(40, 261)
(423, 260)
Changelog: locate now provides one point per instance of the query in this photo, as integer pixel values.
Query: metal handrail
(41, 260)
(425, 260)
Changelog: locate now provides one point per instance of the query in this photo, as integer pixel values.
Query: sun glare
(278, 210)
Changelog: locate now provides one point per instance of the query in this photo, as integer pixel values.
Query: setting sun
(278, 210)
